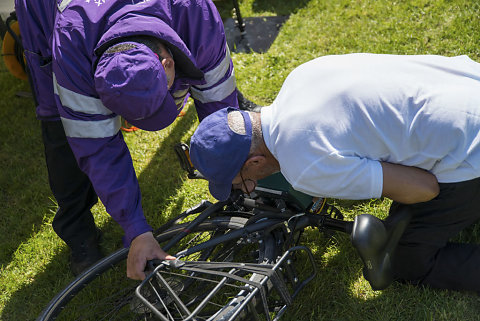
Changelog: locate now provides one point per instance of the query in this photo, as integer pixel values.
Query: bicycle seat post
(337, 225)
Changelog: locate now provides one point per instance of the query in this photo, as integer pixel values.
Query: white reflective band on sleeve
(216, 93)
(91, 129)
(77, 102)
(213, 76)
(62, 5)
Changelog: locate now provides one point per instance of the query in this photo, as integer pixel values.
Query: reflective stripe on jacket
(193, 31)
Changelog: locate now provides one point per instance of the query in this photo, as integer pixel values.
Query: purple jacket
(83, 30)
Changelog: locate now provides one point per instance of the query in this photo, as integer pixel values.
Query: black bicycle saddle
(375, 243)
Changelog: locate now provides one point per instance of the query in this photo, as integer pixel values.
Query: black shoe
(245, 104)
(86, 254)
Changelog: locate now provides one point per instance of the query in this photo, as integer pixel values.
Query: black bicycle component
(376, 243)
(111, 296)
(336, 225)
(252, 253)
(252, 203)
(276, 187)
(269, 278)
(200, 207)
(182, 151)
(192, 225)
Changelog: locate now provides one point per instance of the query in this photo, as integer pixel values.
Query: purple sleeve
(93, 134)
(212, 55)
(108, 164)
(218, 94)
(205, 109)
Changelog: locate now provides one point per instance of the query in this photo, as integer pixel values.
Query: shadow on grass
(339, 286)
(159, 183)
(280, 8)
(24, 191)
(163, 177)
(27, 302)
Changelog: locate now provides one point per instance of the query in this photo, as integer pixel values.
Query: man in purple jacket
(94, 61)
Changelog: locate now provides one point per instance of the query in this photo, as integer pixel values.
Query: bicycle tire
(65, 305)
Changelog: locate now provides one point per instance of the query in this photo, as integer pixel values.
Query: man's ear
(168, 63)
(256, 161)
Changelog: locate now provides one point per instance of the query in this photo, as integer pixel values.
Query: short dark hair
(151, 42)
(122, 44)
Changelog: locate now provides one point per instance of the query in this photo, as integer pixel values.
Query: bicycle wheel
(104, 292)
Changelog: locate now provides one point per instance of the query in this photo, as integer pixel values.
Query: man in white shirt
(363, 126)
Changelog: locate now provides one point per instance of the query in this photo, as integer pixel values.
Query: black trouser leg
(71, 188)
(425, 255)
(245, 104)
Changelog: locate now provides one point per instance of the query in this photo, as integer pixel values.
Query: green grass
(34, 262)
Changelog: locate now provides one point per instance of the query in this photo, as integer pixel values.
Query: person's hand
(143, 248)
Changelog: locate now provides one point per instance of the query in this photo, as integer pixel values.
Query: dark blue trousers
(71, 188)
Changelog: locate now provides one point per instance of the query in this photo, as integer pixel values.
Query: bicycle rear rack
(167, 291)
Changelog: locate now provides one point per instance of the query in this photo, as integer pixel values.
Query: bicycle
(237, 259)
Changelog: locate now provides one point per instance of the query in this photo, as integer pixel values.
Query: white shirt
(336, 117)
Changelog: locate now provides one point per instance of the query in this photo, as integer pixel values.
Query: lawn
(34, 261)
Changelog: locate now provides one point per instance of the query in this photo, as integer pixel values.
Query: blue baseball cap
(131, 82)
(218, 152)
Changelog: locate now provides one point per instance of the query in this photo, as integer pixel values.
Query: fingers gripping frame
(248, 283)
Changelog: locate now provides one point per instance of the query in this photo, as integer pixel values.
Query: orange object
(10, 56)
(127, 127)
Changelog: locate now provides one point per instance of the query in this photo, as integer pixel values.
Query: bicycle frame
(251, 243)
(264, 218)
(270, 273)
(275, 205)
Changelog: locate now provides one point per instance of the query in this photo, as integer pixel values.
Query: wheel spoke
(110, 296)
